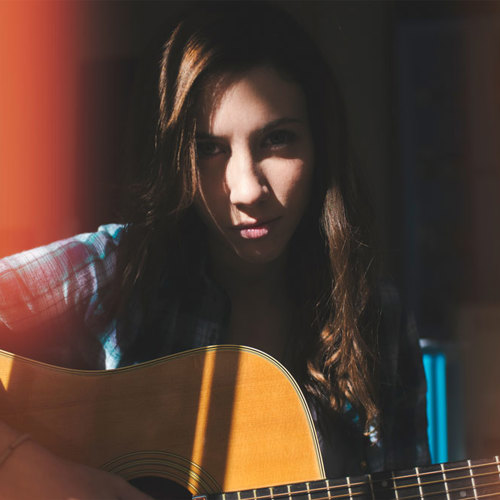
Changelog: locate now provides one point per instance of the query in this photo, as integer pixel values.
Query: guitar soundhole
(161, 489)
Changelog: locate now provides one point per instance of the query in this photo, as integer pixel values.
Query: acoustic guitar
(223, 422)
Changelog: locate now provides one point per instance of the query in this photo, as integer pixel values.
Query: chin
(260, 255)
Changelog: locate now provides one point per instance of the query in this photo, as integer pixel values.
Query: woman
(247, 227)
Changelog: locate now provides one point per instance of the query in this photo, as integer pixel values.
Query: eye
(206, 149)
(279, 138)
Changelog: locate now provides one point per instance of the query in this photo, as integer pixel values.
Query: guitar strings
(449, 480)
(489, 495)
(395, 488)
(418, 496)
(452, 490)
(455, 469)
(412, 497)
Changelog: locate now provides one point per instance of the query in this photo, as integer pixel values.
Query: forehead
(251, 98)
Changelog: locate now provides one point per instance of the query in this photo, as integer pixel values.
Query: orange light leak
(38, 103)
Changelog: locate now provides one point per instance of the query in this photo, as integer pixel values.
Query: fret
(468, 480)
(395, 486)
(300, 491)
(329, 489)
(280, 492)
(349, 489)
(327, 482)
(445, 482)
(221, 496)
(458, 479)
(317, 490)
(247, 495)
(405, 484)
(420, 491)
(370, 483)
(357, 487)
(431, 482)
(484, 476)
(472, 479)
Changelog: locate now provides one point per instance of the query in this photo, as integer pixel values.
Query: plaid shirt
(51, 309)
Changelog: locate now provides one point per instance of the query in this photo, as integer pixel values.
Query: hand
(32, 472)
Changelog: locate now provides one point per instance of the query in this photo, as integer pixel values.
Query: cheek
(210, 200)
(293, 183)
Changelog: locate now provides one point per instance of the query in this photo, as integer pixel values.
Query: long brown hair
(330, 250)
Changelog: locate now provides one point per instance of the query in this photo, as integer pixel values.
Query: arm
(48, 296)
(31, 471)
(404, 387)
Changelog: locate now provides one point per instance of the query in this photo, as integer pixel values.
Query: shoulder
(50, 279)
(403, 388)
(398, 340)
(396, 324)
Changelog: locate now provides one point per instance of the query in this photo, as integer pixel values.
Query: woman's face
(255, 161)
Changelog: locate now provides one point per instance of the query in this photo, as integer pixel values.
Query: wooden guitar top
(213, 419)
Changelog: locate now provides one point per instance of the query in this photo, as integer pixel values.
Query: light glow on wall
(38, 121)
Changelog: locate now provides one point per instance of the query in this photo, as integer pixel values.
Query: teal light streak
(435, 371)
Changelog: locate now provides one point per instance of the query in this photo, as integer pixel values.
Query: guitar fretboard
(469, 480)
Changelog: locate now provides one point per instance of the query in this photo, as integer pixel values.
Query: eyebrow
(266, 128)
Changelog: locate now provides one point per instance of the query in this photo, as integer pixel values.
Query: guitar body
(214, 419)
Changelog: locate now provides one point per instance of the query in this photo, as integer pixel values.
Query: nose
(245, 181)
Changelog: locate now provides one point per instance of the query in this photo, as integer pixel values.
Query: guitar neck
(472, 479)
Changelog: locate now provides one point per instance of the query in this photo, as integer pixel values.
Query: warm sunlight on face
(255, 159)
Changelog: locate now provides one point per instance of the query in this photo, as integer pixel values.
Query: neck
(469, 480)
(237, 276)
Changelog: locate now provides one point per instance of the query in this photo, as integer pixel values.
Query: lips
(255, 230)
